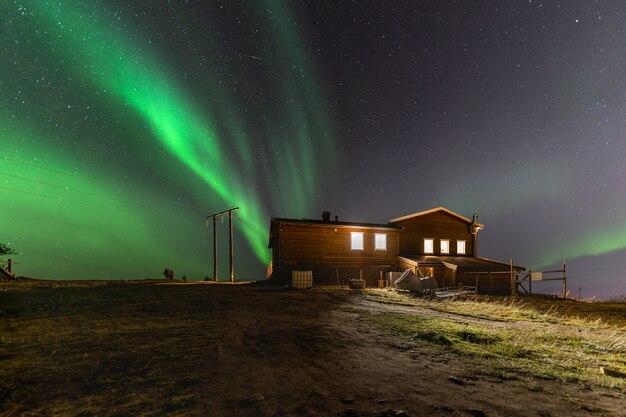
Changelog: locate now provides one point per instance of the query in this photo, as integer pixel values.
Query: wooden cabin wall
(448, 278)
(495, 283)
(330, 245)
(437, 225)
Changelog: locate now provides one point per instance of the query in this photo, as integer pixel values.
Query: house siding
(306, 246)
(437, 225)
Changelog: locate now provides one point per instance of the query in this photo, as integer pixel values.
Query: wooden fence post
(564, 281)
(513, 283)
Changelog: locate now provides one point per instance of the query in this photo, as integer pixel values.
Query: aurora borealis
(124, 124)
(204, 147)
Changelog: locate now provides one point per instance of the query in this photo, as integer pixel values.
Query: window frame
(432, 246)
(447, 252)
(384, 235)
(464, 252)
(352, 241)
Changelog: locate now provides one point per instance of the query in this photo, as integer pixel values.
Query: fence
(339, 276)
(7, 274)
(8, 264)
(524, 281)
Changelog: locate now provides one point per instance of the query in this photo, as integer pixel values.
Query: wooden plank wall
(330, 245)
(437, 225)
(495, 283)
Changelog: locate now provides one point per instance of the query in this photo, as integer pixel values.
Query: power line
(60, 199)
(178, 203)
(38, 166)
(62, 187)
(108, 208)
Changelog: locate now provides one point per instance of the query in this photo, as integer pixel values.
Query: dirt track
(235, 350)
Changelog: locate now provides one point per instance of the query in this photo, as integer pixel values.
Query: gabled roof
(433, 210)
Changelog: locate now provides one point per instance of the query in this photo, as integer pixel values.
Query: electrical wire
(108, 208)
(177, 203)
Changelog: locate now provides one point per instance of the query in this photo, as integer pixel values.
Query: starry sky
(124, 124)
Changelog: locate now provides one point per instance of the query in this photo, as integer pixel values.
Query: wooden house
(437, 242)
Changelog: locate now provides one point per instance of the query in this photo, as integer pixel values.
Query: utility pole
(214, 217)
(232, 250)
(214, 251)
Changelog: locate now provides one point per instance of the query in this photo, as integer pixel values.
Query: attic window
(380, 241)
(429, 245)
(460, 247)
(357, 240)
(445, 246)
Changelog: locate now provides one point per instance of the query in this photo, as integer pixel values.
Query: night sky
(123, 124)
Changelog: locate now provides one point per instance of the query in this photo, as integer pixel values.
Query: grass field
(557, 339)
(156, 348)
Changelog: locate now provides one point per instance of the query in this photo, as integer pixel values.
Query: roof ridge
(432, 210)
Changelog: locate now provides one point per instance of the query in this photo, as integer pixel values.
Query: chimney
(326, 216)
(474, 229)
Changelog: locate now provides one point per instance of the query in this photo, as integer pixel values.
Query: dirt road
(234, 350)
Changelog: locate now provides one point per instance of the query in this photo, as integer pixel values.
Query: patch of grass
(477, 336)
(519, 308)
(551, 352)
(433, 337)
(386, 297)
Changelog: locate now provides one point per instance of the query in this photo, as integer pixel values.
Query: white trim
(422, 213)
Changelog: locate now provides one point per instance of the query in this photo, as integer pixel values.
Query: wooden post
(231, 251)
(513, 283)
(337, 272)
(10, 265)
(564, 281)
(214, 251)
(490, 282)
(530, 283)
(230, 226)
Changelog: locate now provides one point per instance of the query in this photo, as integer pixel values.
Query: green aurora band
(214, 145)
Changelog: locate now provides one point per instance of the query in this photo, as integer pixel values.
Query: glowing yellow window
(357, 240)
(380, 241)
(429, 245)
(445, 246)
(460, 247)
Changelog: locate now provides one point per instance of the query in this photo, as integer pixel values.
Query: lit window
(429, 245)
(357, 240)
(460, 247)
(380, 241)
(445, 246)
